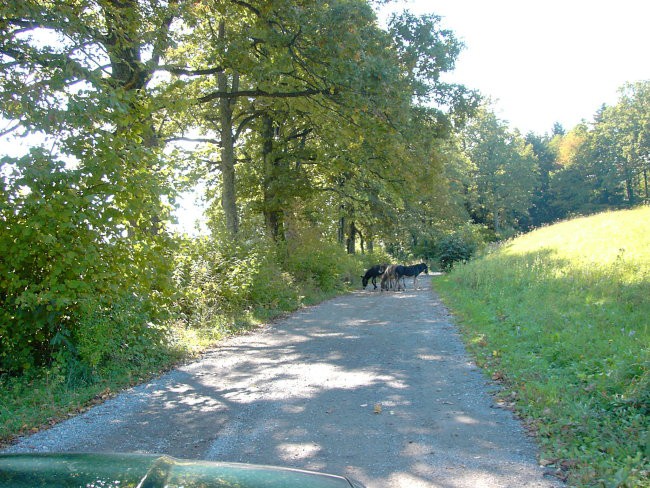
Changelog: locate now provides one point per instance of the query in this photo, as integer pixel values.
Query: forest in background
(324, 142)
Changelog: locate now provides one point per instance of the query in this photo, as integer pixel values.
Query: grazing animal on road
(372, 274)
(403, 271)
(389, 278)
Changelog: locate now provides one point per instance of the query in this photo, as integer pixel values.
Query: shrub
(323, 265)
(218, 279)
(120, 332)
(459, 245)
(453, 249)
(60, 251)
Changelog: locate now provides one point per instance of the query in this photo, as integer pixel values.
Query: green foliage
(375, 257)
(454, 248)
(81, 220)
(456, 245)
(501, 175)
(227, 279)
(46, 249)
(561, 315)
(61, 256)
(599, 166)
(356, 148)
(513, 185)
(122, 333)
(321, 265)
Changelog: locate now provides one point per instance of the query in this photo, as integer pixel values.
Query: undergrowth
(223, 288)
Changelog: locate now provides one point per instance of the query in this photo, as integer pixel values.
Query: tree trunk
(352, 230)
(227, 165)
(272, 214)
(497, 221)
(629, 186)
(129, 74)
(341, 230)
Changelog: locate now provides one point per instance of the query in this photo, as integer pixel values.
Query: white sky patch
(545, 62)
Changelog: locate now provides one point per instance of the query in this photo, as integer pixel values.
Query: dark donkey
(415, 270)
(374, 272)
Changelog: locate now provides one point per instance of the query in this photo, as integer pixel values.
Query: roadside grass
(34, 402)
(561, 317)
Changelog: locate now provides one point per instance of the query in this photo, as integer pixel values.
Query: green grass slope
(561, 316)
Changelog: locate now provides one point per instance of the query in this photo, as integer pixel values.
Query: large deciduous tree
(502, 175)
(324, 102)
(82, 215)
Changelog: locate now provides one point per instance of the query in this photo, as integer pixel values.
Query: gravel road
(373, 385)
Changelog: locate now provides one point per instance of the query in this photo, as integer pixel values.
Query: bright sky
(546, 61)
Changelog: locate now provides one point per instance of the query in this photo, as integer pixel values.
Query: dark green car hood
(150, 471)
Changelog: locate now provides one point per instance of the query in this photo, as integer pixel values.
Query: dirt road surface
(373, 385)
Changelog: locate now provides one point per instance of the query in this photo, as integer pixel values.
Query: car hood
(151, 471)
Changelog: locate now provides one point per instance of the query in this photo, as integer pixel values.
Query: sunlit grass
(562, 315)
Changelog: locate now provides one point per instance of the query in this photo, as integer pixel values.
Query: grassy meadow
(562, 317)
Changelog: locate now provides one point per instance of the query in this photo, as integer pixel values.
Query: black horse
(373, 273)
(415, 270)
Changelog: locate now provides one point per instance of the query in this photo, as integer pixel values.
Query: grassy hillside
(561, 316)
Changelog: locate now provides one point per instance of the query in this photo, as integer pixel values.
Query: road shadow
(372, 385)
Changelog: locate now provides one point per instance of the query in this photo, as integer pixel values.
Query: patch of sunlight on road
(464, 419)
(431, 357)
(290, 452)
(407, 480)
(324, 376)
(466, 478)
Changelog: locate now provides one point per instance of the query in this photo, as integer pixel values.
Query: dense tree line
(307, 121)
(513, 183)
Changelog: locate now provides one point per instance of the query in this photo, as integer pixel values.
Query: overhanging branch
(179, 70)
(260, 93)
(194, 139)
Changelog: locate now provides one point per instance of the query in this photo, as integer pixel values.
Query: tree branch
(194, 139)
(242, 125)
(160, 44)
(9, 130)
(260, 93)
(247, 6)
(178, 70)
